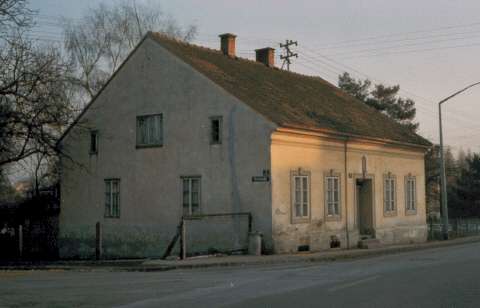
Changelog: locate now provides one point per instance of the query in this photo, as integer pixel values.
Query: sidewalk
(222, 261)
(323, 256)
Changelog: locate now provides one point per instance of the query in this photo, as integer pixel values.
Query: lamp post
(442, 163)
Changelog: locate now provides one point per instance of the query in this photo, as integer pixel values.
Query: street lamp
(442, 163)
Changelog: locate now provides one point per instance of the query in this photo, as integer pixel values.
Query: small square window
(93, 142)
(216, 130)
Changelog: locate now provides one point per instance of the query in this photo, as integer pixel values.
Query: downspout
(346, 195)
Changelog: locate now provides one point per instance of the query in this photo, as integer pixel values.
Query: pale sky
(430, 48)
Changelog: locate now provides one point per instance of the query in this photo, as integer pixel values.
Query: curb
(352, 254)
(139, 266)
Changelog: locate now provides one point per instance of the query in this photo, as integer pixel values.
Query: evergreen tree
(383, 98)
(468, 189)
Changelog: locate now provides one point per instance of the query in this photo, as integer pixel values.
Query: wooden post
(98, 241)
(20, 241)
(456, 227)
(249, 223)
(183, 248)
(432, 232)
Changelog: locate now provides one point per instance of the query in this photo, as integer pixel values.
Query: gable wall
(153, 81)
(319, 156)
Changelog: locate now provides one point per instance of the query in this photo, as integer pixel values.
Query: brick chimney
(266, 56)
(227, 44)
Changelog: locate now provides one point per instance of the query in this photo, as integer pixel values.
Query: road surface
(442, 277)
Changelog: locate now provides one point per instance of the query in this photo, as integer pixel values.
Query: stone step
(369, 243)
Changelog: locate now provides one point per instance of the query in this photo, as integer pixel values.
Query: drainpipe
(346, 195)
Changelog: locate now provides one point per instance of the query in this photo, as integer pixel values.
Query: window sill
(333, 218)
(112, 217)
(196, 216)
(300, 220)
(147, 146)
(390, 213)
(93, 153)
(410, 212)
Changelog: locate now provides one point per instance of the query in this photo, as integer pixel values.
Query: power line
(412, 51)
(372, 38)
(40, 35)
(376, 49)
(381, 42)
(428, 110)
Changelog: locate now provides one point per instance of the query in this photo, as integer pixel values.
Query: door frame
(359, 176)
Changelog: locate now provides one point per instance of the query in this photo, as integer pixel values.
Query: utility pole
(443, 176)
(288, 53)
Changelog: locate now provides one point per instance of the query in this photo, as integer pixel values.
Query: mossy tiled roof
(290, 99)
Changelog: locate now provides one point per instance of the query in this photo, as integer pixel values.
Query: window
(410, 194)
(332, 195)
(389, 194)
(112, 198)
(216, 130)
(150, 130)
(300, 195)
(93, 142)
(191, 195)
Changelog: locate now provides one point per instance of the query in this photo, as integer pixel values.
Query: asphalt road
(442, 277)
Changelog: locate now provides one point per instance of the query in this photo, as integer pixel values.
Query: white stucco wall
(153, 81)
(319, 155)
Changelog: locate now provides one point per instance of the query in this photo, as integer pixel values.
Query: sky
(430, 48)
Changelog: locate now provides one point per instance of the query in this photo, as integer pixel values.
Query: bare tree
(14, 13)
(34, 102)
(102, 39)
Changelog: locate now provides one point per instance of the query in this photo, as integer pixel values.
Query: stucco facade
(320, 155)
(152, 81)
(155, 81)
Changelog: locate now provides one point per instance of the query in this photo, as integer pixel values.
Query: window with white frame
(191, 195)
(150, 130)
(300, 195)
(112, 198)
(410, 194)
(332, 195)
(389, 194)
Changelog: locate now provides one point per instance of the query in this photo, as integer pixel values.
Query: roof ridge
(188, 44)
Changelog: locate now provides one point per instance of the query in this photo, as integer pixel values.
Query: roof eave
(347, 136)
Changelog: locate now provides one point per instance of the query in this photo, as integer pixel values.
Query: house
(182, 130)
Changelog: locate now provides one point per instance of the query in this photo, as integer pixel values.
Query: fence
(458, 227)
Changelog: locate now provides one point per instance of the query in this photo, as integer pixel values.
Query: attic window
(93, 142)
(216, 130)
(150, 130)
